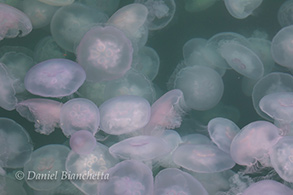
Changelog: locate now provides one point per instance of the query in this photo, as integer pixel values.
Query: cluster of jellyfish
(92, 77)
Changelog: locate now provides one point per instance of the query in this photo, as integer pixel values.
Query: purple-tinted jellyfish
(46, 161)
(253, 142)
(142, 148)
(281, 155)
(128, 177)
(285, 13)
(202, 158)
(270, 187)
(13, 22)
(95, 163)
(241, 9)
(105, 53)
(166, 113)
(44, 113)
(222, 131)
(124, 114)
(79, 114)
(16, 145)
(175, 181)
(82, 142)
(54, 78)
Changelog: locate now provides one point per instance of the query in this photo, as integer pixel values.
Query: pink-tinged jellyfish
(79, 114)
(222, 131)
(70, 23)
(54, 78)
(46, 162)
(175, 181)
(8, 100)
(281, 155)
(124, 114)
(97, 162)
(241, 9)
(285, 13)
(57, 2)
(105, 53)
(128, 177)
(166, 113)
(13, 22)
(267, 187)
(142, 148)
(202, 158)
(242, 60)
(202, 87)
(44, 113)
(252, 143)
(198, 5)
(82, 142)
(16, 144)
(282, 47)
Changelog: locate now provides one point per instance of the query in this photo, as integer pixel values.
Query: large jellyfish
(241, 9)
(268, 187)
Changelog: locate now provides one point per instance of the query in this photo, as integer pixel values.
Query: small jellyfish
(128, 177)
(79, 114)
(82, 142)
(124, 114)
(54, 78)
(267, 187)
(105, 53)
(285, 13)
(44, 113)
(13, 22)
(175, 181)
(241, 9)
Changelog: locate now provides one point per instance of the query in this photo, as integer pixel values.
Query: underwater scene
(146, 97)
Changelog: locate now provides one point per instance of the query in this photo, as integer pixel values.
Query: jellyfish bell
(241, 9)
(285, 13)
(82, 142)
(267, 187)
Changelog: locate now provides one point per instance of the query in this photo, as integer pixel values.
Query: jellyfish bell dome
(285, 13)
(241, 9)
(270, 187)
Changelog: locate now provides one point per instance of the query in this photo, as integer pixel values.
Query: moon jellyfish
(195, 139)
(242, 60)
(175, 181)
(79, 114)
(202, 87)
(11, 186)
(106, 6)
(44, 113)
(285, 13)
(142, 148)
(282, 47)
(241, 9)
(95, 163)
(202, 158)
(253, 142)
(16, 145)
(13, 22)
(222, 131)
(267, 187)
(198, 5)
(54, 78)
(57, 2)
(124, 114)
(128, 177)
(82, 142)
(105, 53)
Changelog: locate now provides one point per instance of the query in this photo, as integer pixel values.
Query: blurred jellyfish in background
(198, 5)
(285, 13)
(82, 142)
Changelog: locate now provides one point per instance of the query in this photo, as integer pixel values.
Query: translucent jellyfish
(44, 113)
(97, 162)
(105, 53)
(281, 155)
(253, 142)
(195, 139)
(82, 142)
(93, 91)
(222, 131)
(271, 83)
(57, 2)
(124, 114)
(202, 87)
(241, 9)
(41, 172)
(11, 186)
(267, 187)
(202, 158)
(285, 13)
(54, 78)
(16, 144)
(79, 114)
(13, 22)
(40, 14)
(128, 177)
(107, 6)
(242, 60)
(198, 5)
(142, 148)
(282, 47)
(69, 24)
(161, 12)
(175, 181)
